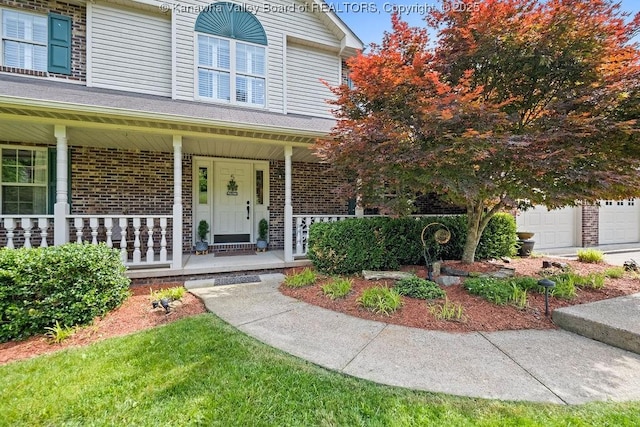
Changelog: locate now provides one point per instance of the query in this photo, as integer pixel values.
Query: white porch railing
(142, 239)
(302, 224)
(26, 230)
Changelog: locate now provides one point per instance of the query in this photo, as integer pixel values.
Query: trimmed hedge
(70, 284)
(381, 243)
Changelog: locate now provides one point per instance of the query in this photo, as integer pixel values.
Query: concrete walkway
(540, 366)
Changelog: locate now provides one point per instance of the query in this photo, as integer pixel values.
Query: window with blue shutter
(59, 48)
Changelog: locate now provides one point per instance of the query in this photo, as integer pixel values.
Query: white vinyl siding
(306, 68)
(130, 50)
(277, 25)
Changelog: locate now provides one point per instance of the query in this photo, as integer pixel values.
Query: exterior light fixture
(546, 284)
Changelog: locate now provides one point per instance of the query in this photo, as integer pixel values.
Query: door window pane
(203, 185)
(259, 187)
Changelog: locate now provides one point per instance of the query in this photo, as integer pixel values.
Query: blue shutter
(59, 51)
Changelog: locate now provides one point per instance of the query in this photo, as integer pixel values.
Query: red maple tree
(516, 101)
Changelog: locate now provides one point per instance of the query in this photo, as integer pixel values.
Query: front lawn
(200, 371)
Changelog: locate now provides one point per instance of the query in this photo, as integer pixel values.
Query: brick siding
(312, 192)
(78, 15)
(590, 225)
(114, 182)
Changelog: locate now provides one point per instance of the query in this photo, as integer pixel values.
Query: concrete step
(614, 321)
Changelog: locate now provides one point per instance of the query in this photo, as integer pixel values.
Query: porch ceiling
(130, 139)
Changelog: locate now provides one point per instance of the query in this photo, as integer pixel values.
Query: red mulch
(133, 315)
(480, 314)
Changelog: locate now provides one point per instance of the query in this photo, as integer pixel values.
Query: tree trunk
(477, 220)
(474, 217)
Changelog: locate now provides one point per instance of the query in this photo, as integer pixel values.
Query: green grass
(200, 371)
(448, 311)
(306, 277)
(337, 288)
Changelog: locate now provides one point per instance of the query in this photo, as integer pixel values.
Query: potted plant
(263, 231)
(203, 229)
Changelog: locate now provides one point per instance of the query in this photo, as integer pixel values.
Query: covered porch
(127, 177)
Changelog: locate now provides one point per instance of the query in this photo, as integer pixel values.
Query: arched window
(231, 55)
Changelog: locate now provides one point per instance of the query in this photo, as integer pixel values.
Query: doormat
(235, 253)
(235, 280)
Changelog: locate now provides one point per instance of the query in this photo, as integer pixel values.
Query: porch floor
(196, 265)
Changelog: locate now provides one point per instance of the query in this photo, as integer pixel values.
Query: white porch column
(61, 207)
(177, 202)
(288, 209)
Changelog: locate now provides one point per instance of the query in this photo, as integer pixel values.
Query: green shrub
(69, 284)
(448, 311)
(337, 288)
(592, 256)
(57, 333)
(380, 243)
(306, 277)
(565, 285)
(511, 290)
(380, 299)
(416, 287)
(614, 272)
(591, 280)
(174, 294)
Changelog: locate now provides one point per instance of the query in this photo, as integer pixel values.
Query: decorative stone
(453, 272)
(448, 280)
(562, 265)
(393, 275)
(503, 273)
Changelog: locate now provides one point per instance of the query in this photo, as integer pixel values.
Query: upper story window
(24, 181)
(36, 42)
(231, 55)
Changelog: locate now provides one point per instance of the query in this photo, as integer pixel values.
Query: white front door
(233, 202)
(232, 196)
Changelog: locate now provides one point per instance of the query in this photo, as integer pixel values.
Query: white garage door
(554, 229)
(619, 221)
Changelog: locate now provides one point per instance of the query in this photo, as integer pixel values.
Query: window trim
(45, 185)
(233, 72)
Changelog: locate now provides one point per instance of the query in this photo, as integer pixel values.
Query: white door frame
(258, 210)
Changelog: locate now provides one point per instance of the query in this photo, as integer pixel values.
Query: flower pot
(261, 244)
(202, 247)
(526, 247)
(524, 235)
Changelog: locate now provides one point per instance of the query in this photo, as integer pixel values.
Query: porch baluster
(93, 223)
(299, 236)
(150, 224)
(122, 223)
(26, 227)
(10, 225)
(137, 255)
(78, 223)
(43, 225)
(108, 225)
(163, 240)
